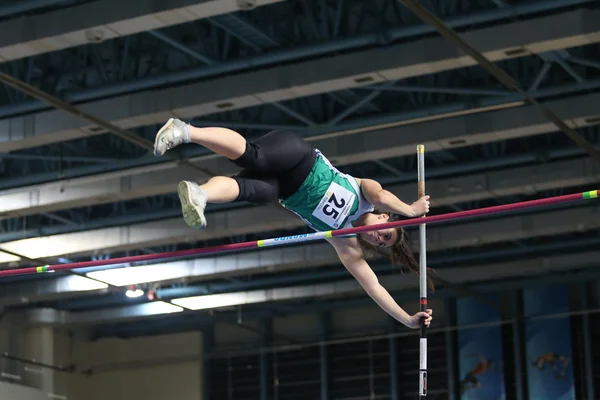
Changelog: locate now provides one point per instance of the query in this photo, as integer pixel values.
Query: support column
(40, 347)
(208, 344)
(393, 349)
(324, 329)
(267, 327)
(451, 353)
(518, 328)
(587, 342)
(16, 347)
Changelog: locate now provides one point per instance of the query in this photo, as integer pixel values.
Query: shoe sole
(158, 135)
(191, 213)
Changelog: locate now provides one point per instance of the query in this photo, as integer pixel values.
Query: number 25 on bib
(335, 206)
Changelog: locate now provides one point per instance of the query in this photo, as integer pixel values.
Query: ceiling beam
(440, 237)
(473, 276)
(314, 50)
(188, 271)
(389, 140)
(282, 309)
(423, 57)
(256, 220)
(500, 75)
(97, 21)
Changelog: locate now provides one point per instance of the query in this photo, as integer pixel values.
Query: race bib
(335, 206)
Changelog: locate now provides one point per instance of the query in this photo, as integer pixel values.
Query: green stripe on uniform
(260, 243)
(41, 269)
(590, 195)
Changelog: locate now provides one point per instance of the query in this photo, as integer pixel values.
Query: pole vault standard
(309, 236)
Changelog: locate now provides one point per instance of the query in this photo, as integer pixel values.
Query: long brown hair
(400, 252)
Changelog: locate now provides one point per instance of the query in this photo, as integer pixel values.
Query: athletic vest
(328, 199)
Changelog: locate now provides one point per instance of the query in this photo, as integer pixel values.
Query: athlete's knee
(256, 191)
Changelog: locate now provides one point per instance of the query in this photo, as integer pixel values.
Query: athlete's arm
(386, 201)
(351, 256)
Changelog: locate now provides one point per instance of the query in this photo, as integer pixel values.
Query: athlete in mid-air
(470, 380)
(553, 360)
(282, 166)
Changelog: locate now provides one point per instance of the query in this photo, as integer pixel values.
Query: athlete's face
(382, 237)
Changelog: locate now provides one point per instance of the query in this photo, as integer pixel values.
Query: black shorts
(274, 167)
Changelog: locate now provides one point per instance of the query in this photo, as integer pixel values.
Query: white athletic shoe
(193, 202)
(171, 135)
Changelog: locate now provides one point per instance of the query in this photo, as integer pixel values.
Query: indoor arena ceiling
(364, 81)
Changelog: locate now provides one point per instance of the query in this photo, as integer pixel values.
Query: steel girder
(253, 220)
(89, 294)
(473, 276)
(543, 149)
(325, 26)
(387, 139)
(98, 21)
(279, 309)
(344, 71)
(24, 6)
(473, 234)
(28, 177)
(437, 260)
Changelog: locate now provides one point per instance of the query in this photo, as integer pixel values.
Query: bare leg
(221, 189)
(227, 143)
(223, 141)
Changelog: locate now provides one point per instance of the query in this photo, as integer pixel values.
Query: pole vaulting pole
(305, 237)
(422, 275)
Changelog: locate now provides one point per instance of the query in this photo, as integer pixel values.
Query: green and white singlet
(328, 199)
